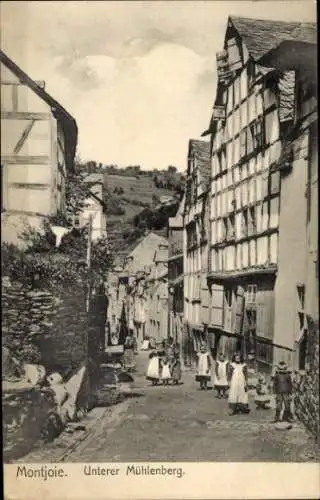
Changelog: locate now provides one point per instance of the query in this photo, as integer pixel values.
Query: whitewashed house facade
(38, 145)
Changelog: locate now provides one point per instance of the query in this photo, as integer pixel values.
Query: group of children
(164, 367)
(231, 380)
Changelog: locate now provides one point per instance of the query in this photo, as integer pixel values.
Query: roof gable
(261, 35)
(68, 123)
(200, 151)
(144, 252)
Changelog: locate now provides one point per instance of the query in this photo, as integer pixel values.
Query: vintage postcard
(160, 266)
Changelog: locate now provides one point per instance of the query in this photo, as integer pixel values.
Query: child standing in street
(153, 372)
(221, 373)
(262, 396)
(176, 369)
(165, 374)
(238, 393)
(283, 388)
(204, 367)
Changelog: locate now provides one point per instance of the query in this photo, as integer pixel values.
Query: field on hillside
(138, 192)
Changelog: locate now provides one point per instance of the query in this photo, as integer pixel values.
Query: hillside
(133, 194)
(137, 201)
(127, 197)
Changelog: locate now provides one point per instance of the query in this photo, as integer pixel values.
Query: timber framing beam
(25, 160)
(24, 115)
(29, 185)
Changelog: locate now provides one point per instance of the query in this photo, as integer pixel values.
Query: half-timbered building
(297, 281)
(175, 273)
(38, 144)
(253, 110)
(195, 239)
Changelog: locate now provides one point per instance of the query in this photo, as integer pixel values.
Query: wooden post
(89, 246)
(88, 261)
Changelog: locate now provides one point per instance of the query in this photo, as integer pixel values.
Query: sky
(138, 77)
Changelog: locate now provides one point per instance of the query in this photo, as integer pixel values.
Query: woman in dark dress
(176, 369)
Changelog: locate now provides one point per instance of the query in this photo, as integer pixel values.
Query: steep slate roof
(144, 252)
(201, 151)
(68, 123)
(260, 35)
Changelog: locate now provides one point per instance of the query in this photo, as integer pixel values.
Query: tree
(171, 169)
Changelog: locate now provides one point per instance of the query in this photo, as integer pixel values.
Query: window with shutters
(244, 224)
(221, 159)
(191, 236)
(259, 134)
(225, 228)
(252, 224)
(243, 143)
(231, 227)
(228, 293)
(250, 139)
(255, 136)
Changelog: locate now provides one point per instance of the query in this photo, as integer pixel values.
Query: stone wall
(25, 415)
(307, 385)
(55, 324)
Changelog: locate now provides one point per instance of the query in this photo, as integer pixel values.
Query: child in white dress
(238, 393)
(221, 376)
(165, 374)
(204, 367)
(153, 372)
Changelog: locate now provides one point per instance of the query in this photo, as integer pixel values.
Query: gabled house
(298, 276)
(38, 145)
(254, 109)
(156, 292)
(143, 254)
(195, 239)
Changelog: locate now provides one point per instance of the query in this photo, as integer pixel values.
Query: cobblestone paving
(185, 424)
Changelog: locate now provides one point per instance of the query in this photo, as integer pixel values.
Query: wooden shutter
(204, 300)
(265, 314)
(217, 300)
(239, 311)
(227, 323)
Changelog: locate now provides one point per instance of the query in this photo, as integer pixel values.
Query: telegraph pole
(89, 247)
(88, 262)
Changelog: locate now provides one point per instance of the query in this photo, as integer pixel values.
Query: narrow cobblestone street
(184, 424)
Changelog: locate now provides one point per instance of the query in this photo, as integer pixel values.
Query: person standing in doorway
(221, 376)
(204, 367)
(283, 388)
(238, 393)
